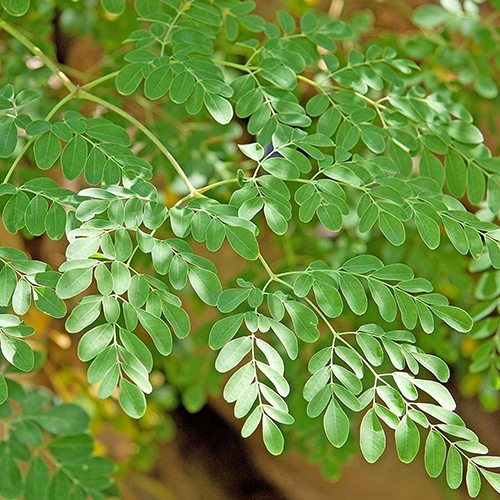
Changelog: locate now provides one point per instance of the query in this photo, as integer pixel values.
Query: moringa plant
(290, 138)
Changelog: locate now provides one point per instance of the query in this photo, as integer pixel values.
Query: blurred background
(188, 444)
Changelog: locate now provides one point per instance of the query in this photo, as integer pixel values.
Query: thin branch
(82, 94)
(37, 52)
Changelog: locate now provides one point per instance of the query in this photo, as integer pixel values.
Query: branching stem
(37, 52)
(81, 93)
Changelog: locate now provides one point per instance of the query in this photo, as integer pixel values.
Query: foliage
(340, 153)
(46, 451)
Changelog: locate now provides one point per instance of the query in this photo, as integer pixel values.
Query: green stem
(201, 190)
(266, 267)
(375, 104)
(235, 65)
(82, 94)
(217, 184)
(54, 110)
(36, 51)
(19, 157)
(98, 81)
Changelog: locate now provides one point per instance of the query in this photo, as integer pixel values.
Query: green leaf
(354, 293)
(492, 478)
(94, 168)
(55, 221)
(11, 482)
(13, 212)
(178, 318)
(95, 341)
(47, 150)
(493, 195)
(282, 76)
(455, 317)
(230, 299)
(476, 184)
(243, 242)
(281, 168)
(336, 424)
(111, 309)
(121, 277)
(434, 364)
(16, 8)
(384, 299)
(74, 282)
(17, 353)
(232, 353)
(206, 284)
(82, 316)
(106, 131)
(328, 299)
(35, 215)
(428, 230)
(435, 454)
(489, 462)
(115, 7)
(182, 86)
(8, 282)
(216, 233)
(224, 330)
(454, 468)
(372, 437)
(371, 348)
(304, 321)
(146, 8)
(59, 486)
(132, 399)
(276, 378)
(456, 174)
(4, 390)
(8, 129)
(457, 235)
(286, 21)
(28, 432)
(65, 419)
(37, 480)
(138, 291)
(158, 330)
(465, 132)
(439, 392)
(392, 228)
(219, 108)
(135, 346)
(180, 219)
(129, 78)
(408, 309)
(74, 157)
(430, 166)
(273, 438)
(239, 381)
(248, 104)
(178, 272)
(331, 217)
(473, 480)
(286, 337)
(158, 83)
(430, 16)
(48, 302)
(154, 215)
(102, 364)
(162, 257)
(407, 440)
